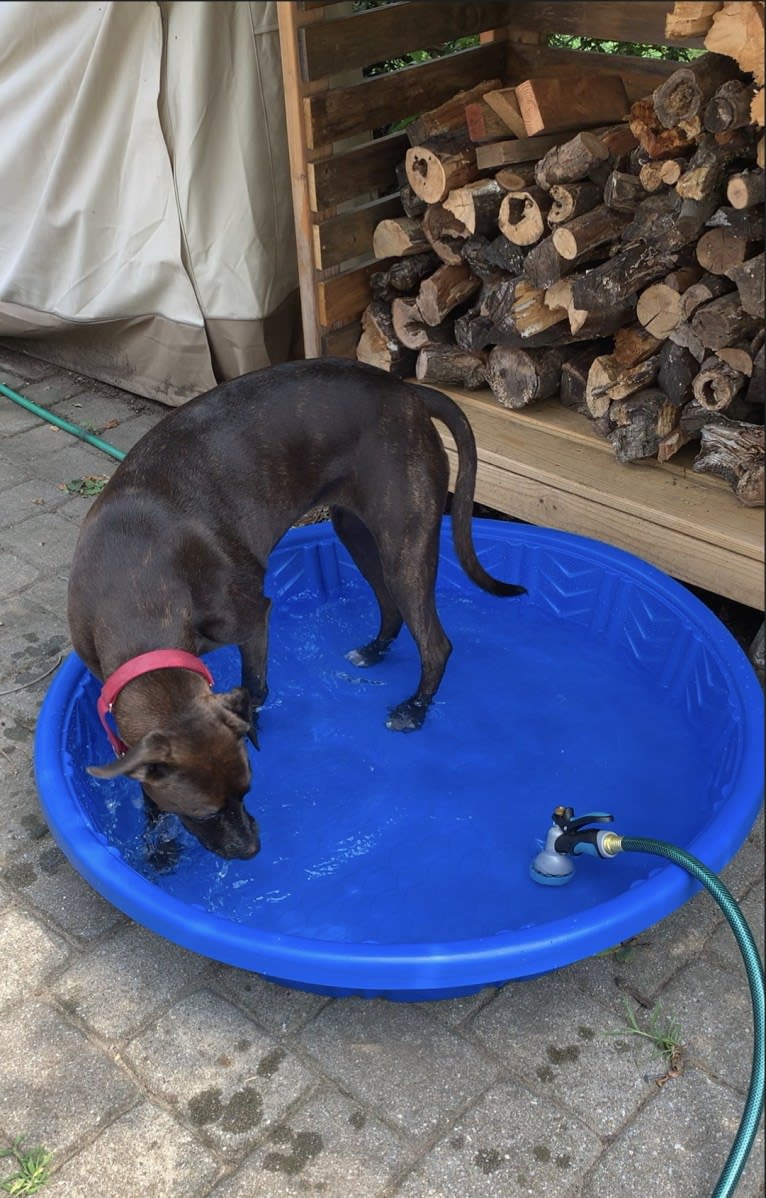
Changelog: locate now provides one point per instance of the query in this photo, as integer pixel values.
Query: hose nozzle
(568, 837)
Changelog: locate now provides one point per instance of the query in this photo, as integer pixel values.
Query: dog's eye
(156, 771)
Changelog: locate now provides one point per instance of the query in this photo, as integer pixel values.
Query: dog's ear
(235, 709)
(151, 755)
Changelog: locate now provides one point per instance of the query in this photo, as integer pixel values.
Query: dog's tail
(441, 407)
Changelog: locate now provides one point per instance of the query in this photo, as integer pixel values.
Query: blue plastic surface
(398, 864)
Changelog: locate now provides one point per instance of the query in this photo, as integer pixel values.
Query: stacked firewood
(558, 240)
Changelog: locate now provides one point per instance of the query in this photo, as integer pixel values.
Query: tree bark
(572, 161)
(450, 366)
(723, 322)
(734, 451)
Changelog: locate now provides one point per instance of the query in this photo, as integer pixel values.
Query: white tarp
(146, 231)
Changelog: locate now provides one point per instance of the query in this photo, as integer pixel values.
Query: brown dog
(172, 556)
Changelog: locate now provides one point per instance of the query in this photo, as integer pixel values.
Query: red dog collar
(158, 659)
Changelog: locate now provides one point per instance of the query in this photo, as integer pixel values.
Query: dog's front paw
(367, 655)
(407, 717)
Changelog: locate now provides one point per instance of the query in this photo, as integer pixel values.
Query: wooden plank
(546, 464)
(288, 15)
(342, 342)
(637, 21)
(382, 34)
(385, 99)
(640, 75)
(554, 104)
(349, 234)
(343, 297)
(365, 169)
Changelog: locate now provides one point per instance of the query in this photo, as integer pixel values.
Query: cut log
(448, 117)
(446, 288)
(411, 329)
(742, 222)
(516, 307)
(619, 143)
(684, 336)
(601, 323)
(723, 322)
(398, 237)
(378, 344)
(572, 199)
(756, 391)
(684, 93)
(690, 19)
(671, 170)
(633, 344)
(574, 377)
(411, 204)
(717, 384)
(433, 174)
(444, 233)
(476, 205)
(642, 420)
(556, 104)
(748, 279)
(623, 275)
(403, 276)
(654, 138)
(522, 215)
(473, 331)
(659, 309)
(719, 250)
(650, 175)
(735, 452)
(450, 366)
(571, 161)
(746, 189)
(609, 380)
(490, 259)
(483, 124)
(516, 178)
(587, 232)
(737, 31)
(677, 370)
(503, 103)
(622, 191)
(729, 108)
(709, 287)
(518, 377)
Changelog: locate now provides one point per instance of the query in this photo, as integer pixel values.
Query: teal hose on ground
(66, 425)
(748, 1127)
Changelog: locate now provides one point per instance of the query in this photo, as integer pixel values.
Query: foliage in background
(595, 45)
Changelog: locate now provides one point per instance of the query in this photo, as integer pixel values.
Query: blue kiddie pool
(397, 864)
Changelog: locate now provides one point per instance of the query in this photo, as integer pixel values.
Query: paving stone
(514, 1143)
(712, 1006)
(330, 1147)
(47, 539)
(56, 1088)
(279, 1010)
(566, 1046)
(122, 982)
(411, 1069)
(49, 453)
(145, 1154)
(16, 574)
(220, 1073)
(10, 476)
(28, 953)
(678, 1145)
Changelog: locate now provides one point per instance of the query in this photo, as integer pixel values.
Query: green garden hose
(748, 1126)
(66, 425)
(569, 837)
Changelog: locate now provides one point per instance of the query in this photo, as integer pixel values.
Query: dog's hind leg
(360, 543)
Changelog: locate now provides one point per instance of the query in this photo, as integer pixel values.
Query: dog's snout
(232, 833)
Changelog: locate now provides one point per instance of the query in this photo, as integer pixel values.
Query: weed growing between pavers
(32, 1168)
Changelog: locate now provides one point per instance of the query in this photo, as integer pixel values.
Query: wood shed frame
(544, 464)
